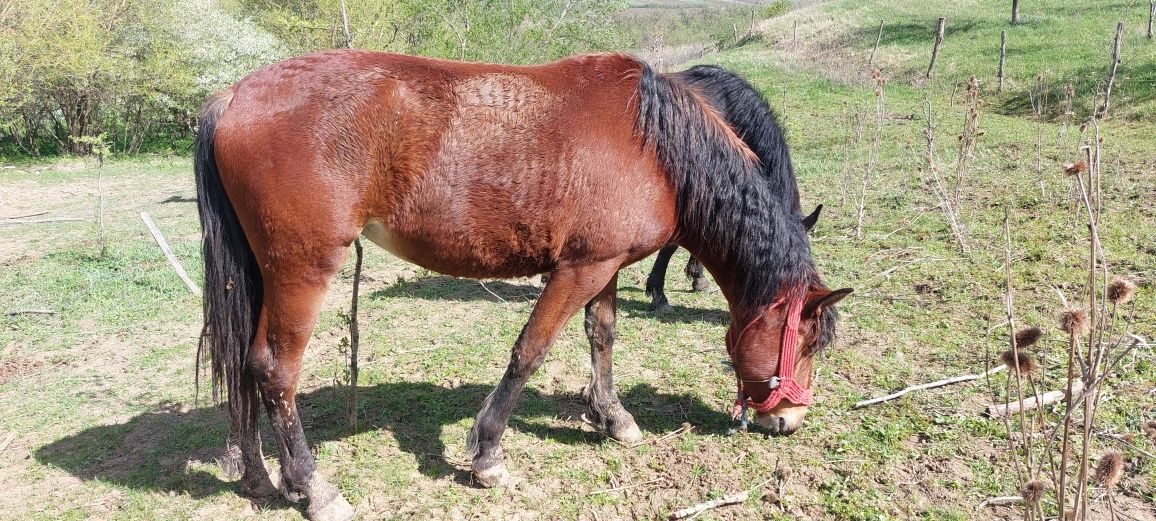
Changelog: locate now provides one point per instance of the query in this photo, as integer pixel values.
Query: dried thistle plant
(969, 136)
(1121, 290)
(1021, 361)
(876, 138)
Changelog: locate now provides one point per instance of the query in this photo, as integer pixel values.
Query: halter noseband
(784, 385)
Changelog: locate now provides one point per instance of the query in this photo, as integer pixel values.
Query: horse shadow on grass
(166, 450)
(444, 287)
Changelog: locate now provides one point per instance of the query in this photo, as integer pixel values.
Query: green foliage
(505, 31)
(138, 70)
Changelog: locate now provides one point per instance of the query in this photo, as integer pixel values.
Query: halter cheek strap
(783, 386)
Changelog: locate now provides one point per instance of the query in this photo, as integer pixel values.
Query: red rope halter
(784, 385)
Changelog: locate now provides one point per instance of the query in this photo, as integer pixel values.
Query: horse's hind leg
(293, 293)
(243, 448)
(694, 272)
(568, 290)
(606, 412)
(657, 279)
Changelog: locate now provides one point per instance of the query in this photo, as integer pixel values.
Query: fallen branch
(7, 222)
(627, 487)
(27, 215)
(30, 312)
(160, 239)
(931, 385)
(998, 409)
(729, 499)
(7, 441)
(1001, 500)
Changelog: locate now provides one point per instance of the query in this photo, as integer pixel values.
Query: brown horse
(484, 171)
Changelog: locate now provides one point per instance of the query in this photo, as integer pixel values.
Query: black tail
(232, 295)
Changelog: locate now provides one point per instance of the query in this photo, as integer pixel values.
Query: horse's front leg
(697, 275)
(567, 291)
(606, 412)
(656, 281)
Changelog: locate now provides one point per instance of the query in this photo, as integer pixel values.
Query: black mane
(727, 205)
(751, 117)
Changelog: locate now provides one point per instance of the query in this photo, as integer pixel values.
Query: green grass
(101, 399)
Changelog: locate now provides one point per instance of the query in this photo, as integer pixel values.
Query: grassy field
(100, 403)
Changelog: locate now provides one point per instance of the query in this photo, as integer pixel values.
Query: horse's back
(465, 168)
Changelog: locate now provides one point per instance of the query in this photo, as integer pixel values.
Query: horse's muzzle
(782, 421)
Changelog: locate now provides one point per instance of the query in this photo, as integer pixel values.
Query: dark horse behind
(482, 170)
(749, 115)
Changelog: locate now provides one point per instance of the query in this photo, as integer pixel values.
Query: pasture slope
(99, 401)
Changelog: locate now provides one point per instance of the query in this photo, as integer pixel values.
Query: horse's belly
(459, 254)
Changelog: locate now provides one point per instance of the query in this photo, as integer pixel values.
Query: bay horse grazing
(484, 171)
(751, 118)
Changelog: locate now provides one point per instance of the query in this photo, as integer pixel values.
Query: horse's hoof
(259, 488)
(628, 433)
(491, 477)
(231, 463)
(662, 308)
(337, 509)
(701, 284)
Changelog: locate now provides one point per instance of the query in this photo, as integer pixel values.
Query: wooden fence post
(1015, 12)
(1151, 14)
(1002, 49)
(871, 59)
(938, 41)
(1115, 65)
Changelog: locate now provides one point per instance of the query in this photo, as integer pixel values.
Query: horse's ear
(810, 220)
(817, 301)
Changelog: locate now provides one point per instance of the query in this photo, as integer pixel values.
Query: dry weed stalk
(941, 194)
(1097, 344)
(854, 122)
(1105, 346)
(1039, 100)
(1066, 112)
(873, 157)
(968, 137)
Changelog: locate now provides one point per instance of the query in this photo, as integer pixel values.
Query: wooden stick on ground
(1001, 500)
(7, 441)
(7, 222)
(997, 410)
(729, 499)
(160, 239)
(931, 385)
(30, 312)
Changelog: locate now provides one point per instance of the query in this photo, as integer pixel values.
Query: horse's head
(773, 349)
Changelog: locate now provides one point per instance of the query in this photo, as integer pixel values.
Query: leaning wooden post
(871, 59)
(938, 42)
(1002, 49)
(1115, 65)
(1151, 14)
(164, 245)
